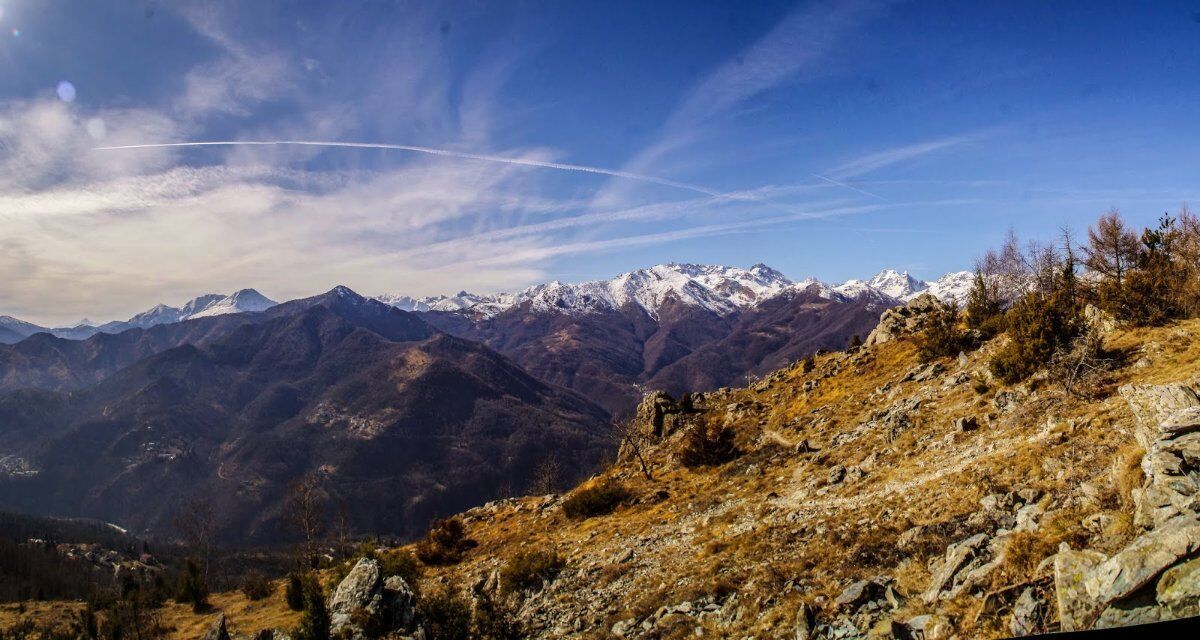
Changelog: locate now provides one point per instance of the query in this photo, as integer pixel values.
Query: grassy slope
(767, 525)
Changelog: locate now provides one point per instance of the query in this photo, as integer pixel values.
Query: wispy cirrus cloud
(797, 47)
(887, 157)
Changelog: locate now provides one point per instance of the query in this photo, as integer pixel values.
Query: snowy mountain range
(214, 304)
(719, 289)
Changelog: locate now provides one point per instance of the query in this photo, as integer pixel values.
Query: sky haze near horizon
(501, 144)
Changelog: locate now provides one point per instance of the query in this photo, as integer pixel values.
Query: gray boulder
(1154, 404)
(400, 602)
(905, 320)
(1076, 609)
(654, 409)
(1179, 589)
(1028, 613)
(1142, 561)
(218, 630)
(957, 558)
(361, 589)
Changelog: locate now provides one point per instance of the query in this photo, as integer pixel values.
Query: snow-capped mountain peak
(952, 287)
(897, 284)
(717, 288)
(241, 301)
(213, 304)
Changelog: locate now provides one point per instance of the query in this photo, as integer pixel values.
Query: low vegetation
(444, 543)
(256, 586)
(528, 570)
(596, 499)
(708, 444)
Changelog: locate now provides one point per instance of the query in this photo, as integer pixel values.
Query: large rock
(653, 411)
(957, 558)
(1142, 561)
(1140, 609)
(362, 588)
(908, 319)
(1076, 609)
(1168, 429)
(1156, 404)
(859, 593)
(930, 626)
(1099, 320)
(218, 630)
(1186, 420)
(1179, 589)
(400, 602)
(1028, 613)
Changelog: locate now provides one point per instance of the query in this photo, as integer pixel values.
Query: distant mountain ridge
(400, 421)
(13, 330)
(717, 288)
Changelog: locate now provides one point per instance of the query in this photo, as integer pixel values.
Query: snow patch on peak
(719, 289)
(897, 284)
(406, 303)
(245, 300)
(952, 287)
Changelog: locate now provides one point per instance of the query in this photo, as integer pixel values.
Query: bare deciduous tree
(628, 434)
(304, 511)
(1081, 363)
(196, 526)
(547, 476)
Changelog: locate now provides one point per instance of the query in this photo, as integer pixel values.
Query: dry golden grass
(244, 616)
(56, 613)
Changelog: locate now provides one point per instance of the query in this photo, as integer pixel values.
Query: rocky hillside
(871, 494)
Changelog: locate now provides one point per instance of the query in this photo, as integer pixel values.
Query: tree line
(1048, 297)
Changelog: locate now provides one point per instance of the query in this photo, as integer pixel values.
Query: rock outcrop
(218, 630)
(364, 595)
(1154, 577)
(657, 412)
(1168, 430)
(906, 320)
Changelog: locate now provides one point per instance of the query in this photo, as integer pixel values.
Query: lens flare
(16, 32)
(66, 91)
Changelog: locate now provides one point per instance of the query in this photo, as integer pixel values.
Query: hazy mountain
(400, 421)
(13, 330)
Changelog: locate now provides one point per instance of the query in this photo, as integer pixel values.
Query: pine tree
(1112, 251)
(192, 589)
(314, 625)
(983, 305)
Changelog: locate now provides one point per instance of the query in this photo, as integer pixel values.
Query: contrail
(523, 162)
(562, 166)
(848, 186)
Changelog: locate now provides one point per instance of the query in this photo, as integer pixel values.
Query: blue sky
(823, 139)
